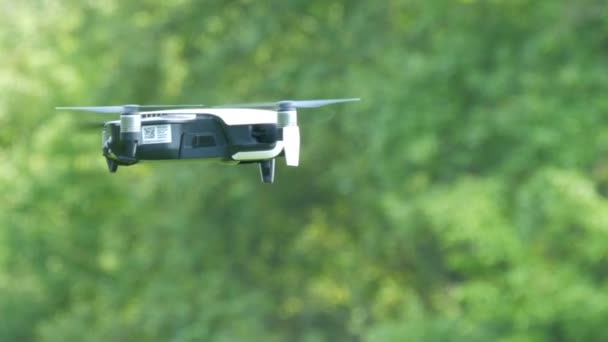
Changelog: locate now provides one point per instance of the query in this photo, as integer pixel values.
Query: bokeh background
(463, 199)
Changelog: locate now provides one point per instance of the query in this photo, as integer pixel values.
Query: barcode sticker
(157, 134)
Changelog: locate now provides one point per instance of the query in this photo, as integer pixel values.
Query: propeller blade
(291, 141)
(319, 103)
(295, 104)
(100, 109)
(123, 108)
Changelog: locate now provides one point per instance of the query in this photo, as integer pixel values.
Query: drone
(234, 134)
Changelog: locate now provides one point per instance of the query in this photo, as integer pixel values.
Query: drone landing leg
(267, 170)
(112, 165)
(130, 148)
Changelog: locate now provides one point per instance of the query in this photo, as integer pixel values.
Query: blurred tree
(462, 199)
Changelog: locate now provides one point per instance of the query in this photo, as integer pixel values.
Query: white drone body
(244, 116)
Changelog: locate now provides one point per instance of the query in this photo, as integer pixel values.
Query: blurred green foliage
(464, 199)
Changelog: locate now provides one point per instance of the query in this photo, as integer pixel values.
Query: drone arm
(290, 134)
(130, 132)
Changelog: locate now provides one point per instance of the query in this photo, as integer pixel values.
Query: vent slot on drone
(152, 115)
(199, 140)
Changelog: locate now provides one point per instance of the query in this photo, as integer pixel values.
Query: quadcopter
(235, 134)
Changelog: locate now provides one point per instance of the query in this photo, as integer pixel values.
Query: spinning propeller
(288, 121)
(125, 109)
